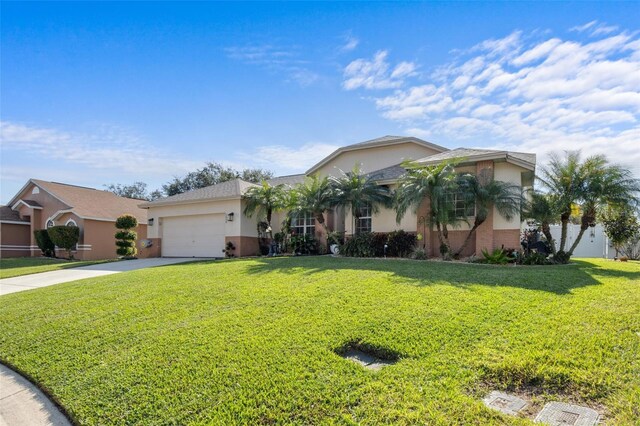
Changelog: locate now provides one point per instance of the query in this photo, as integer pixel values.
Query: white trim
(24, 202)
(46, 224)
(13, 222)
(16, 247)
(71, 221)
(152, 204)
(35, 190)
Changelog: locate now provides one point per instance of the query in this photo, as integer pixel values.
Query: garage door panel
(193, 236)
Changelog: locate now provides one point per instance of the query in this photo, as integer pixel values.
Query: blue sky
(98, 93)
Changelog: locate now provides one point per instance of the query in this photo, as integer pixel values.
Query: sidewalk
(23, 404)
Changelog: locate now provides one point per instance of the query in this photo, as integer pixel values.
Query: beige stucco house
(199, 223)
(41, 204)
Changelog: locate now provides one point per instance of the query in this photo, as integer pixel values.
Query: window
(35, 190)
(363, 223)
(50, 224)
(303, 224)
(71, 222)
(459, 206)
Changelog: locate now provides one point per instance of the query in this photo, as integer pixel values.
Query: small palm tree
(543, 208)
(435, 184)
(264, 200)
(487, 193)
(355, 191)
(314, 196)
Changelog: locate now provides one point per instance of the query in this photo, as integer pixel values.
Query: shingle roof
(7, 214)
(32, 203)
(476, 154)
(93, 203)
(388, 173)
(230, 189)
(291, 180)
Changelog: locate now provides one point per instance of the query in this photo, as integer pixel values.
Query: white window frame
(35, 190)
(305, 223)
(364, 223)
(50, 223)
(71, 221)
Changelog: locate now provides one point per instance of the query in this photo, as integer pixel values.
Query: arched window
(71, 222)
(50, 224)
(35, 190)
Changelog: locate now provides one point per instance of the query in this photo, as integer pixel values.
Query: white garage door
(193, 236)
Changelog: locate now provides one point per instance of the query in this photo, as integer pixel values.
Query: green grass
(15, 267)
(253, 341)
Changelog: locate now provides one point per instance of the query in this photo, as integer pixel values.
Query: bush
(400, 243)
(561, 257)
(229, 249)
(496, 257)
(126, 221)
(126, 238)
(359, 245)
(419, 253)
(535, 258)
(44, 242)
(65, 237)
(303, 244)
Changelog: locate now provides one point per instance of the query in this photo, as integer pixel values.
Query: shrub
(419, 253)
(126, 238)
(561, 257)
(229, 249)
(303, 244)
(535, 258)
(496, 257)
(44, 242)
(65, 237)
(400, 243)
(359, 245)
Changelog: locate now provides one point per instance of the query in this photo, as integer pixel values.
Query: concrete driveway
(44, 279)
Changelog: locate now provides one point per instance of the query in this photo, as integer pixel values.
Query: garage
(193, 236)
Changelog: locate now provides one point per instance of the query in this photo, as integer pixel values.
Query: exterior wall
(375, 158)
(245, 246)
(509, 238)
(49, 203)
(99, 240)
(15, 240)
(507, 172)
(456, 239)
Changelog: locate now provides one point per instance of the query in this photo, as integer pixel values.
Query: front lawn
(253, 341)
(14, 267)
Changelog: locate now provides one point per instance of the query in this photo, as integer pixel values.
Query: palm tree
(604, 185)
(543, 208)
(487, 193)
(435, 184)
(591, 183)
(264, 200)
(314, 196)
(356, 191)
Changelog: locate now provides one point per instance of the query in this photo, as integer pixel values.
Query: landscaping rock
(505, 403)
(560, 414)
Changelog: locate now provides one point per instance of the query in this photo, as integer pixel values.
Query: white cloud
(285, 159)
(276, 59)
(107, 148)
(595, 28)
(528, 92)
(350, 43)
(376, 73)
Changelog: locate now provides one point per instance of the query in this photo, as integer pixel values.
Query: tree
(314, 196)
(487, 193)
(65, 237)
(591, 184)
(355, 191)
(44, 243)
(621, 226)
(543, 209)
(264, 199)
(126, 236)
(137, 190)
(433, 183)
(213, 173)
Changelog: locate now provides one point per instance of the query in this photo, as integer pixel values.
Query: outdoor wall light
(230, 217)
(150, 222)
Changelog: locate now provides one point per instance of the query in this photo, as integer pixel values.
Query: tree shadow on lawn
(559, 279)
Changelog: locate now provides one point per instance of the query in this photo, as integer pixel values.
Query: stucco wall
(374, 158)
(240, 226)
(99, 239)
(507, 172)
(50, 205)
(15, 240)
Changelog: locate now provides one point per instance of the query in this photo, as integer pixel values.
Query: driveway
(44, 279)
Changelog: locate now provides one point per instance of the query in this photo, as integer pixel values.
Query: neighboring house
(41, 204)
(201, 222)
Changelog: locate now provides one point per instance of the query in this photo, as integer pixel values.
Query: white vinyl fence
(594, 242)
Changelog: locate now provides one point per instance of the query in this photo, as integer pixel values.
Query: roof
(225, 190)
(290, 180)
(382, 141)
(523, 159)
(388, 173)
(32, 203)
(89, 203)
(9, 215)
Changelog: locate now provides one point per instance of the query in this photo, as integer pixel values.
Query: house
(41, 204)
(200, 222)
